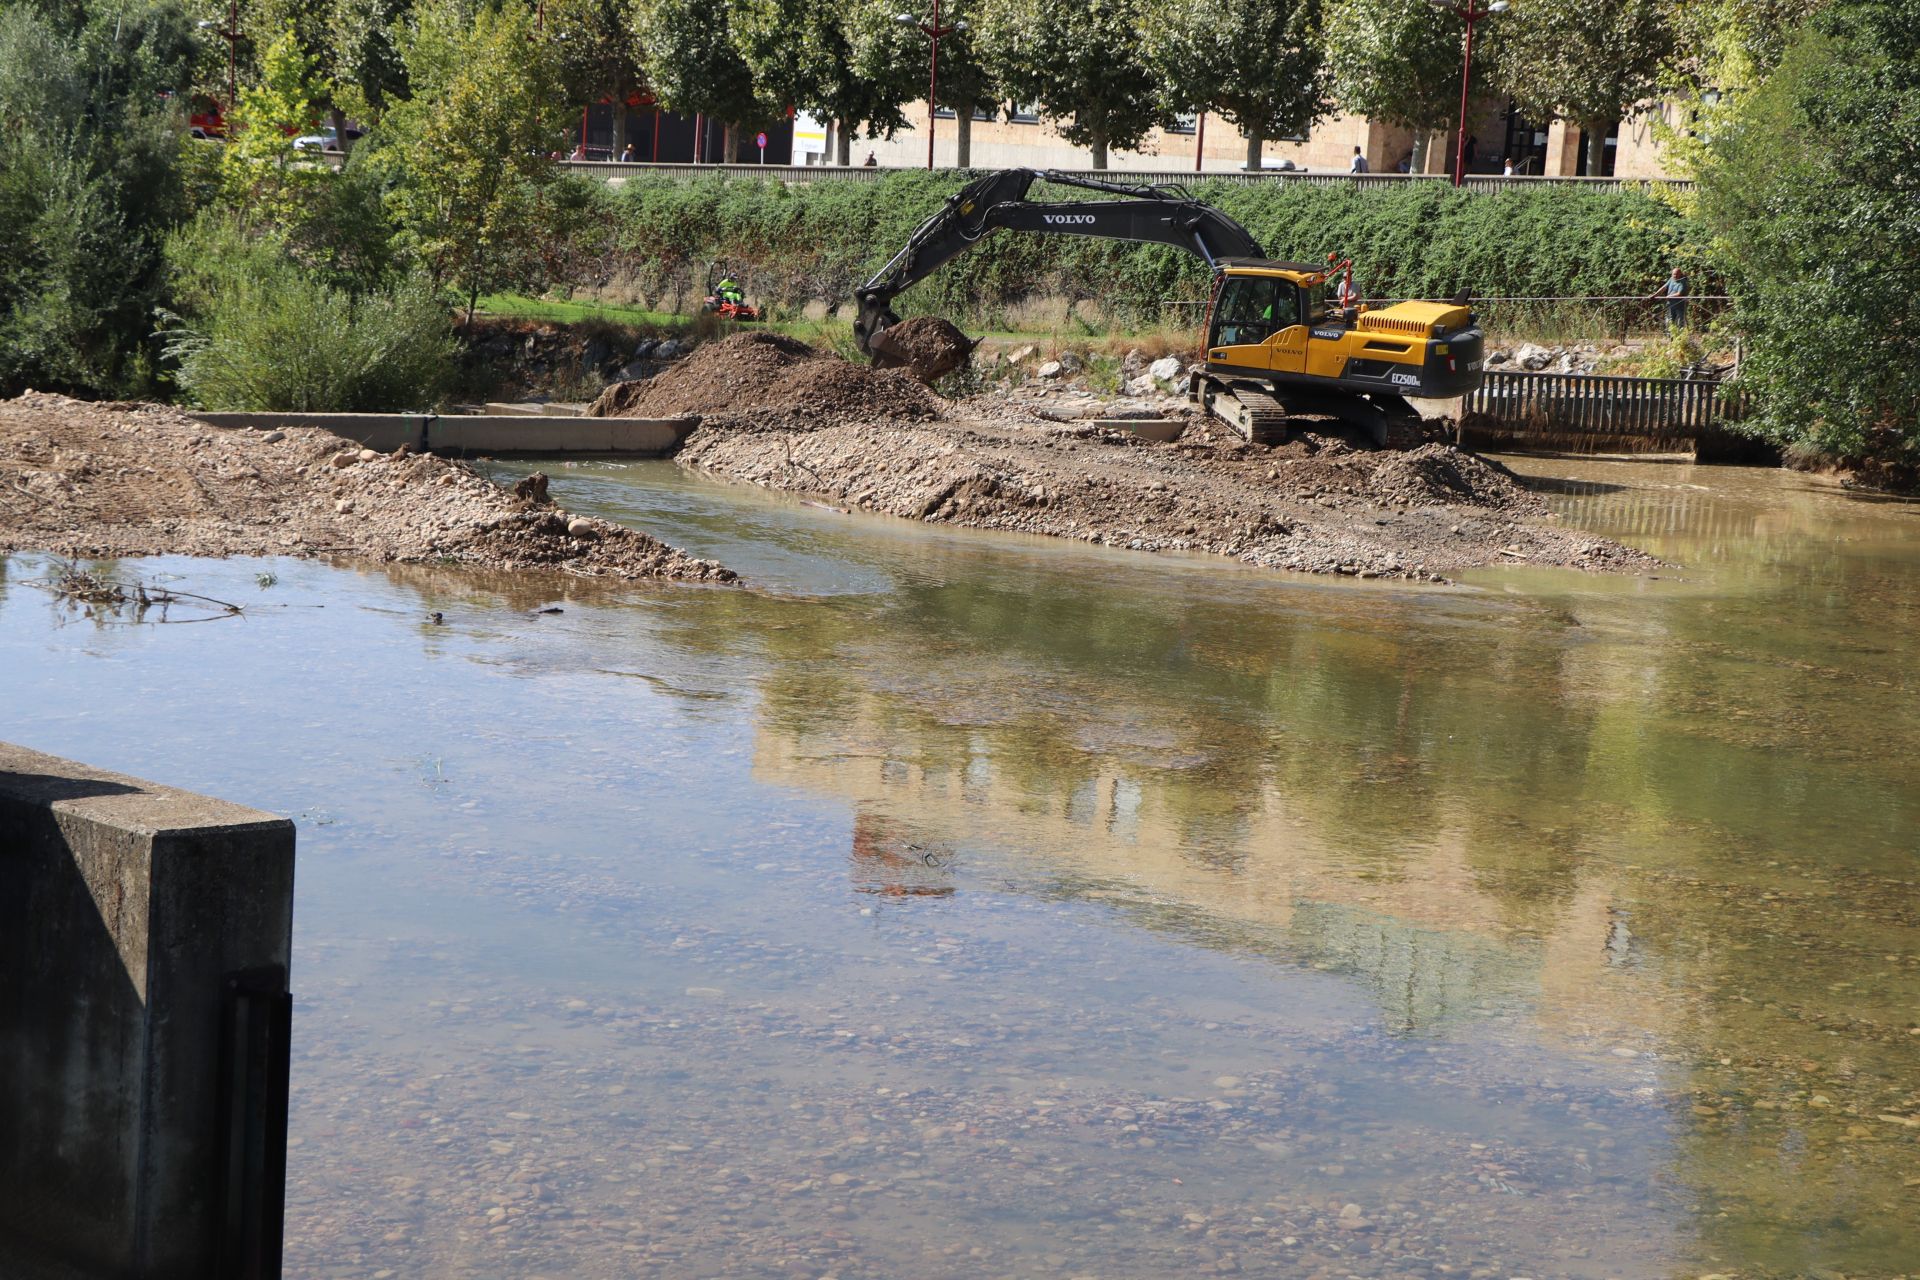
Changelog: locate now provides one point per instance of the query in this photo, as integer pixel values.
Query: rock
(1497, 357)
(1166, 369)
(667, 350)
(581, 527)
(596, 353)
(533, 488)
(345, 460)
(273, 437)
(368, 455)
(1140, 387)
(1022, 354)
(1131, 362)
(1350, 1211)
(343, 506)
(644, 348)
(1531, 357)
(632, 372)
(1072, 362)
(1051, 369)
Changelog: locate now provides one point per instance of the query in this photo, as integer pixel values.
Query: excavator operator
(1256, 311)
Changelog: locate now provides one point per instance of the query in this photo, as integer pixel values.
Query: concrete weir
(482, 433)
(144, 1015)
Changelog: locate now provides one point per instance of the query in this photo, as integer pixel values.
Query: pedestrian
(1674, 290)
(627, 156)
(1406, 163)
(1359, 164)
(873, 161)
(1506, 167)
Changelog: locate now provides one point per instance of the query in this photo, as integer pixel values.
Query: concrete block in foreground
(144, 946)
(462, 434)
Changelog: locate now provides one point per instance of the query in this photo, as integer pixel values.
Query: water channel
(958, 905)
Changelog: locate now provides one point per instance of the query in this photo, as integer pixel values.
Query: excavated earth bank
(1315, 504)
(94, 479)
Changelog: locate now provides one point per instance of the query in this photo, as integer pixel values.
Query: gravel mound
(1440, 473)
(929, 347)
(763, 381)
(1315, 505)
(97, 479)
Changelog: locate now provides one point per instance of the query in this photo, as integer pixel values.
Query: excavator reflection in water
(889, 861)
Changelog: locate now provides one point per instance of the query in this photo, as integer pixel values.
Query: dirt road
(93, 479)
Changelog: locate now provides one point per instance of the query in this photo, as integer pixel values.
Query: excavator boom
(1164, 214)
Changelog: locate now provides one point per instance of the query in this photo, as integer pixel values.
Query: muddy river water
(955, 905)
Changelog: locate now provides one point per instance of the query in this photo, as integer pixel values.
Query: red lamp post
(1469, 15)
(933, 31)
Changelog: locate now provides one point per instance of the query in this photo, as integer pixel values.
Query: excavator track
(1254, 415)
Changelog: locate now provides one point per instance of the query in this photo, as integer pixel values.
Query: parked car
(325, 140)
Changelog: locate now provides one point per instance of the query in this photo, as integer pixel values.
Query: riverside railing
(1599, 405)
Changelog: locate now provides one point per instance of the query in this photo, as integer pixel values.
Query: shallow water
(968, 905)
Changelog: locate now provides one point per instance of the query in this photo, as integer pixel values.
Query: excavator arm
(1161, 214)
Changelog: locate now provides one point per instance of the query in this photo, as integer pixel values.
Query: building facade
(1496, 133)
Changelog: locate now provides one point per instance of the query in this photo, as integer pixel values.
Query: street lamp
(1468, 14)
(933, 31)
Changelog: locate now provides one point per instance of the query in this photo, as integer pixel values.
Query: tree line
(140, 261)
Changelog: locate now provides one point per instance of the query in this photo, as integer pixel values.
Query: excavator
(1282, 342)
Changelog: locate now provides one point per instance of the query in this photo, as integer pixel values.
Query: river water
(957, 905)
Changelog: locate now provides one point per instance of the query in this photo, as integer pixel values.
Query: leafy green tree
(1810, 195)
(263, 173)
(598, 55)
(1591, 61)
(1256, 64)
(693, 63)
(91, 177)
(885, 47)
(802, 53)
(1081, 63)
(469, 151)
(1399, 63)
(369, 71)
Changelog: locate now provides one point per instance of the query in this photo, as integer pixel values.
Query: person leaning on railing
(1674, 290)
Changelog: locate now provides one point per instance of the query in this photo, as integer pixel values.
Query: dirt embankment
(1315, 504)
(92, 479)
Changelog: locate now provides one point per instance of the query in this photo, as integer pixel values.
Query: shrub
(821, 239)
(261, 331)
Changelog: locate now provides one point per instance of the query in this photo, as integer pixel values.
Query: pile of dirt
(763, 381)
(94, 479)
(1316, 505)
(927, 347)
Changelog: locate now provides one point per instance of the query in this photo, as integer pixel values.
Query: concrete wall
(482, 433)
(125, 908)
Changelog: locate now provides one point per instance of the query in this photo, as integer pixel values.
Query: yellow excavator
(1284, 340)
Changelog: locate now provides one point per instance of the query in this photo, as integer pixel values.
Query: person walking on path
(1359, 164)
(1674, 290)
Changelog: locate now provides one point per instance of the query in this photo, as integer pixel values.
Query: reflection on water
(968, 906)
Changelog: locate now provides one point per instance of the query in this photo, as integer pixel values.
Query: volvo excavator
(1283, 339)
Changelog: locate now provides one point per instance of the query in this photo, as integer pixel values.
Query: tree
(470, 148)
(1590, 61)
(598, 55)
(92, 174)
(369, 71)
(1257, 64)
(1081, 63)
(802, 54)
(883, 46)
(262, 173)
(1399, 63)
(690, 58)
(1809, 192)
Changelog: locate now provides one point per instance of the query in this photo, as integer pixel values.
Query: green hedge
(820, 239)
